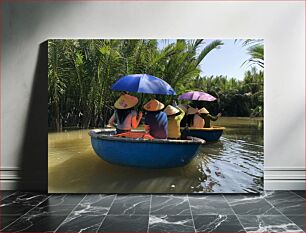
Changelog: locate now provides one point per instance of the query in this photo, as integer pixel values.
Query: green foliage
(81, 73)
(235, 97)
(255, 49)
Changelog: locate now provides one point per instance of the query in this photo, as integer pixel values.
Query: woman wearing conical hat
(175, 115)
(194, 118)
(125, 117)
(204, 113)
(156, 122)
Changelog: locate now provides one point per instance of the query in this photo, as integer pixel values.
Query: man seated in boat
(204, 114)
(156, 122)
(124, 116)
(175, 115)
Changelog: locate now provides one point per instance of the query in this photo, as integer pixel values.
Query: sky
(227, 60)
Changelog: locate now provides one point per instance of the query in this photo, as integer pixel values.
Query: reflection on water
(234, 164)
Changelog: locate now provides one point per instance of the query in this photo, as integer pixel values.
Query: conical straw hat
(126, 101)
(170, 110)
(203, 110)
(183, 107)
(192, 111)
(153, 105)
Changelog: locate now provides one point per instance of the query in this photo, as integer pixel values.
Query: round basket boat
(208, 134)
(156, 153)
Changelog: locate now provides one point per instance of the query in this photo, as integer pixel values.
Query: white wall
(26, 25)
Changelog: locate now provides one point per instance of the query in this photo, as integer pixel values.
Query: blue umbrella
(143, 83)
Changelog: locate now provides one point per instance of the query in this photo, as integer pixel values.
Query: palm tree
(256, 51)
(81, 73)
(183, 63)
(56, 82)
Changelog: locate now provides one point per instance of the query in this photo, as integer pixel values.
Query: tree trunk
(57, 120)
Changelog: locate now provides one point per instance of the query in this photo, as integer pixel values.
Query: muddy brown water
(232, 165)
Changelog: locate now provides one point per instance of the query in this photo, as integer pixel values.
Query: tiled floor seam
(191, 214)
(234, 213)
(297, 195)
(149, 213)
(25, 213)
(107, 213)
(69, 213)
(284, 215)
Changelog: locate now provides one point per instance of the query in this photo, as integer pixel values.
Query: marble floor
(278, 211)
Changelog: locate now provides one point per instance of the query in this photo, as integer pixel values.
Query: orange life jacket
(135, 135)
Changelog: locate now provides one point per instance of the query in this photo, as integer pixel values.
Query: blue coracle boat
(156, 153)
(208, 134)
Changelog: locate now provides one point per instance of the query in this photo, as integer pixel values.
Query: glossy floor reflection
(280, 211)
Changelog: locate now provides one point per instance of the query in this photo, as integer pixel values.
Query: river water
(232, 165)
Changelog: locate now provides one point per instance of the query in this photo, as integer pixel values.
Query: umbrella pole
(140, 102)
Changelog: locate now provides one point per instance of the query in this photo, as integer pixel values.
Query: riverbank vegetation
(81, 72)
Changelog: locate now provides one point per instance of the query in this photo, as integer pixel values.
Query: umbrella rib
(140, 78)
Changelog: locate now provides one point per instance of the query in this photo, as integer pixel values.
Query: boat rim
(214, 128)
(95, 133)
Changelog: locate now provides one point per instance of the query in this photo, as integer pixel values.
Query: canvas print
(155, 115)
